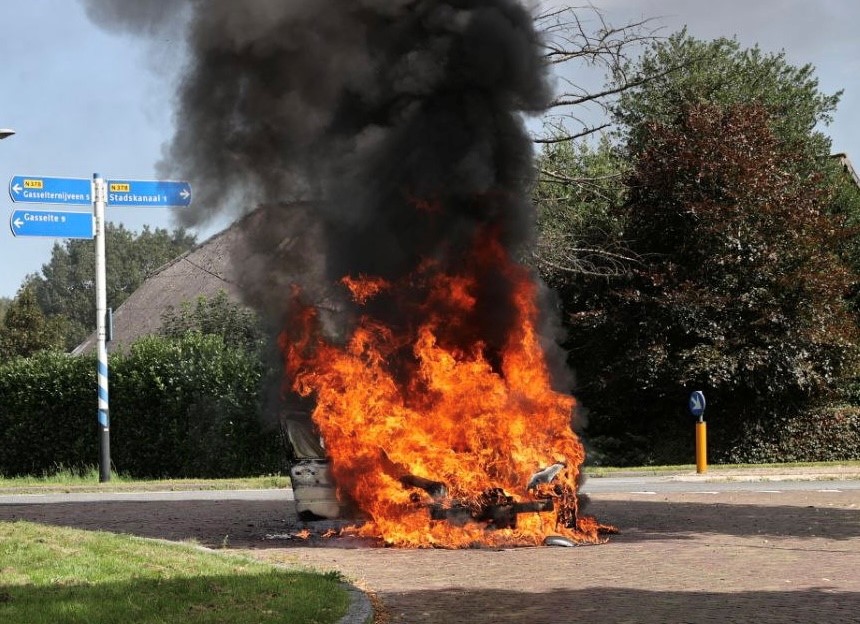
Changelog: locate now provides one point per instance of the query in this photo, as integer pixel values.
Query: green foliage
(47, 413)
(178, 408)
(237, 325)
(739, 245)
(741, 293)
(578, 231)
(4, 305)
(66, 286)
(816, 434)
(845, 204)
(685, 71)
(190, 407)
(25, 330)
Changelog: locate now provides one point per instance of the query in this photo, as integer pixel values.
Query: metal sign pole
(99, 193)
(701, 446)
(696, 404)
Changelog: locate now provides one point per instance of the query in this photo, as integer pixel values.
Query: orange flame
(419, 401)
(364, 287)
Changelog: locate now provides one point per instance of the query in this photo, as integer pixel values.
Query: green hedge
(187, 407)
(47, 414)
(822, 433)
(827, 433)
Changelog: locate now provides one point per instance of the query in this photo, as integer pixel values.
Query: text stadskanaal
(134, 198)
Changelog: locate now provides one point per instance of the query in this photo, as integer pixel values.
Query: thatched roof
(204, 270)
(264, 251)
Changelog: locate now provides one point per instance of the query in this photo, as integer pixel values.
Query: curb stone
(360, 610)
(764, 478)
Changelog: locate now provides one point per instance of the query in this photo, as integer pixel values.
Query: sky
(83, 101)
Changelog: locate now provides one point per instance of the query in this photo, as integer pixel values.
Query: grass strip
(51, 575)
(65, 480)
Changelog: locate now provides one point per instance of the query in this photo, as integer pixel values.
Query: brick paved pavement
(680, 558)
(733, 557)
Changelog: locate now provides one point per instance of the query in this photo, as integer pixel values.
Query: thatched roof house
(263, 252)
(204, 270)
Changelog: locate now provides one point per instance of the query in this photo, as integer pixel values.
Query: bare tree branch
(590, 184)
(571, 241)
(572, 137)
(587, 261)
(582, 34)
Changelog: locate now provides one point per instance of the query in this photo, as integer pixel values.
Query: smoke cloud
(367, 135)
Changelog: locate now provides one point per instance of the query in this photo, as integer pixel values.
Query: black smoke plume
(368, 135)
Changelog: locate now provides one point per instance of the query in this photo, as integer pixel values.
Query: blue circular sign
(697, 403)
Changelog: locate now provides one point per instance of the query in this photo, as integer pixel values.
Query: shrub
(47, 413)
(187, 407)
(830, 433)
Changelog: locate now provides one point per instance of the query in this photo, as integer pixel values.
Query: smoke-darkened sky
(399, 123)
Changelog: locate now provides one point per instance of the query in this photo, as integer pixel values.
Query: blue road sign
(697, 403)
(148, 193)
(58, 224)
(42, 190)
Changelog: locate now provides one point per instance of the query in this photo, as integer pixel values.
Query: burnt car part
(493, 507)
(436, 489)
(545, 476)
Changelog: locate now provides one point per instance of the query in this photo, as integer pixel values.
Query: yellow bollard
(701, 447)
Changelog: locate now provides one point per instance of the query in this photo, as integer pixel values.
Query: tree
(237, 325)
(578, 231)
(579, 38)
(845, 204)
(741, 293)
(4, 305)
(577, 178)
(683, 71)
(25, 330)
(637, 333)
(66, 287)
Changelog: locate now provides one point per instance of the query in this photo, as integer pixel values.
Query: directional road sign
(697, 403)
(78, 191)
(148, 193)
(43, 190)
(58, 224)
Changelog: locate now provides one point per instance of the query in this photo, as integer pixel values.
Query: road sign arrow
(697, 403)
(58, 224)
(44, 190)
(148, 193)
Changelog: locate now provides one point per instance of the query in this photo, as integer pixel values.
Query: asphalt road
(706, 485)
(598, 485)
